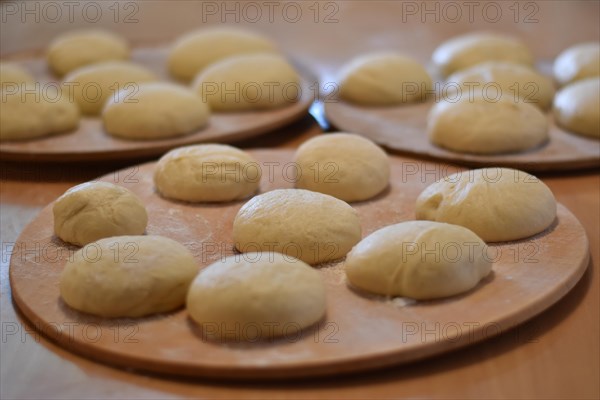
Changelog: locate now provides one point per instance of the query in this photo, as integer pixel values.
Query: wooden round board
(403, 129)
(89, 142)
(359, 331)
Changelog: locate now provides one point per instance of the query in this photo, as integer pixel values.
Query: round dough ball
(498, 204)
(80, 48)
(343, 165)
(197, 50)
(479, 126)
(157, 110)
(128, 276)
(207, 173)
(383, 79)
(96, 210)
(578, 62)
(310, 226)
(249, 82)
(474, 48)
(13, 75)
(398, 260)
(32, 111)
(577, 107)
(256, 296)
(93, 85)
(515, 82)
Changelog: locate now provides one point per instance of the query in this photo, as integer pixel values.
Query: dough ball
(383, 79)
(95, 210)
(207, 173)
(515, 82)
(249, 82)
(13, 75)
(311, 226)
(31, 111)
(418, 259)
(128, 276)
(93, 85)
(498, 204)
(474, 48)
(256, 295)
(197, 50)
(342, 165)
(577, 107)
(156, 110)
(578, 62)
(480, 126)
(80, 48)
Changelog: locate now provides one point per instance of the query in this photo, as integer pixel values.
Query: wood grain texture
(403, 129)
(90, 142)
(359, 332)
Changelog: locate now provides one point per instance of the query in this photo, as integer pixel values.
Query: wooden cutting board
(90, 143)
(359, 331)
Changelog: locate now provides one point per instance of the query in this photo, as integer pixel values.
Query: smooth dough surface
(34, 111)
(249, 82)
(480, 126)
(577, 62)
(13, 75)
(515, 82)
(474, 48)
(384, 79)
(398, 260)
(80, 48)
(342, 165)
(157, 110)
(207, 173)
(498, 204)
(256, 295)
(311, 226)
(195, 51)
(577, 107)
(93, 85)
(96, 210)
(128, 276)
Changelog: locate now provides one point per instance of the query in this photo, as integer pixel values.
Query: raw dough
(197, 50)
(311, 226)
(80, 48)
(515, 82)
(207, 173)
(382, 79)
(156, 110)
(128, 276)
(249, 82)
(473, 48)
(481, 126)
(95, 210)
(577, 107)
(256, 296)
(93, 85)
(419, 259)
(577, 62)
(342, 165)
(13, 75)
(498, 204)
(34, 110)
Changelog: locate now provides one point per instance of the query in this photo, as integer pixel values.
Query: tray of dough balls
(271, 264)
(481, 102)
(92, 97)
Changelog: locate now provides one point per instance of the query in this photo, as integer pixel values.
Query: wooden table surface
(555, 355)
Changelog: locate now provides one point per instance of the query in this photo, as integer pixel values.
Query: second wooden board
(359, 331)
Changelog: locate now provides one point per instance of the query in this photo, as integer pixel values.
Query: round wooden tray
(89, 142)
(402, 129)
(359, 331)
